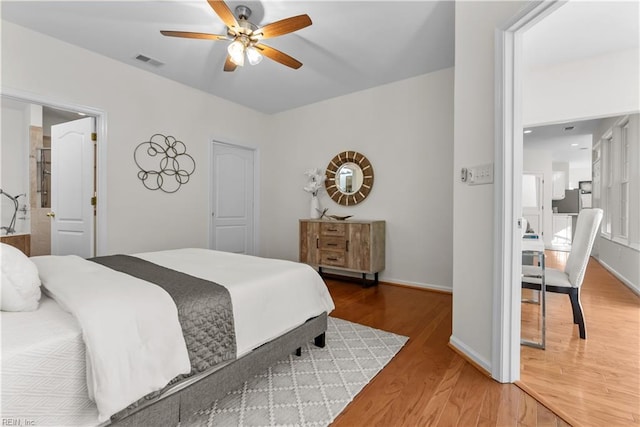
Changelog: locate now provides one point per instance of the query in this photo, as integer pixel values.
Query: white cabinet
(562, 231)
(559, 185)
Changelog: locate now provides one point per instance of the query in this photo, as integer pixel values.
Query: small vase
(316, 211)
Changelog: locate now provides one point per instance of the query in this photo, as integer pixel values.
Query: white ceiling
(351, 46)
(572, 146)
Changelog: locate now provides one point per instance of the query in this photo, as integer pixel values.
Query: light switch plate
(482, 174)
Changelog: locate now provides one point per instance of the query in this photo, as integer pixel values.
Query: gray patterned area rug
(310, 390)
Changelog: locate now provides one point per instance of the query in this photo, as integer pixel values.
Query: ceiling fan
(246, 37)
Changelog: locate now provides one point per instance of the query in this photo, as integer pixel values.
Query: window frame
(624, 145)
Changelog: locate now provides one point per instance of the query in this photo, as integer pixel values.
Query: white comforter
(269, 296)
(131, 329)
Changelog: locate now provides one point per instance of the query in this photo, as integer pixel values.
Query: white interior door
(532, 200)
(233, 199)
(72, 187)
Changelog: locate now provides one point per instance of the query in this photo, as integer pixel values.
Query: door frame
(256, 191)
(505, 363)
(100, 227)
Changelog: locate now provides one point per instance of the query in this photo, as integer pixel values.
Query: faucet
(11, 228)
(8, 230)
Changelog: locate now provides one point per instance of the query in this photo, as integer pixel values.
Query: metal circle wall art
(164, 163)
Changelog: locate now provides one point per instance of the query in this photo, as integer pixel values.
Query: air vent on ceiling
(148, 60)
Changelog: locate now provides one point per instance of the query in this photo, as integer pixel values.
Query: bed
(57, 370)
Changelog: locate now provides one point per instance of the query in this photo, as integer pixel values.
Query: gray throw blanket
(204, 309)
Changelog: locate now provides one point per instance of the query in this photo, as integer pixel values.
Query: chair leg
(578, 315)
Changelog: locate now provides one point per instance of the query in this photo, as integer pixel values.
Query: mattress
(43, 368)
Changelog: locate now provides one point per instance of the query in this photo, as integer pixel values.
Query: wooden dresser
(20, 241)
(356, 246)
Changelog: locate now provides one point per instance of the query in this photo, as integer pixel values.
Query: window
(615, 163)
(607, 183)
(624, 180)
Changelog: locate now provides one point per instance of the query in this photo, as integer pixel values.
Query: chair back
(586, 231)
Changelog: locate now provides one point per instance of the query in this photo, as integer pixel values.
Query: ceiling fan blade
(190, 35)
(284, 26)
(223, 11)
(229, 65)
(278, 56)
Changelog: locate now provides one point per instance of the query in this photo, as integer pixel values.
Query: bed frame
(179, 404)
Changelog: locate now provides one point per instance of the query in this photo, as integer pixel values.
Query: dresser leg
(366, 283)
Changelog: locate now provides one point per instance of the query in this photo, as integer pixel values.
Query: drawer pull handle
(332, 244)
(347, 246)
(332, 229)
(332, 259)
(317, 243)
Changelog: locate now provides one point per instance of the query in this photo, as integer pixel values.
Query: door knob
(51, 214)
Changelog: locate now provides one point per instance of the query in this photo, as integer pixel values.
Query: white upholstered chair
(570, 280)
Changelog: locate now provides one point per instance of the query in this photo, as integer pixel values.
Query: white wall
(473, 212)
(14, 161)
(406, 130)
(578, 174)
(541, 161)
(600, 86)
(563, 167)
(138, 104)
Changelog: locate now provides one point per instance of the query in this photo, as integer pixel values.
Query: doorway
(509, 114)
(234, 198)
(532, 202)
(36, 174)
(508, 189)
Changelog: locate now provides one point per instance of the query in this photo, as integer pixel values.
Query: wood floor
(592, 382)
(426, 384)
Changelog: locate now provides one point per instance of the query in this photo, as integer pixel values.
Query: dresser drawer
(336, 259)
(333, 243)
(331, 229)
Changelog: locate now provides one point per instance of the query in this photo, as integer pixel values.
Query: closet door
(233, 199)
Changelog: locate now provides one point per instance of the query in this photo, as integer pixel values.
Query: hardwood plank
(427, 383)
(476, 390)
(434, 408)
(594, 381)
(528, 411)
(508, 406)
(597, 380)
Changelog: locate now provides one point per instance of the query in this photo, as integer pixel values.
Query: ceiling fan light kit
(236, 51)
(246, 37)
(253, 55)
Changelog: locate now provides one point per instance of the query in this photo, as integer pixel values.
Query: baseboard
(422, 287)
(350, 276)
(470, 356)
(548, 403)
(619, 276)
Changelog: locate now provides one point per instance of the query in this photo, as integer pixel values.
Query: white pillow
(20, 283)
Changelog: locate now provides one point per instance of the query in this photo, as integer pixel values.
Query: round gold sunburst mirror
(349, 178)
